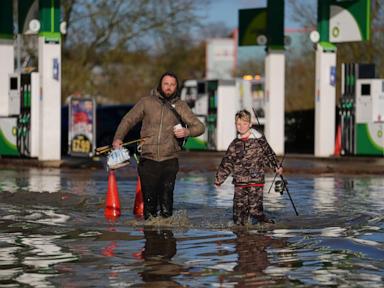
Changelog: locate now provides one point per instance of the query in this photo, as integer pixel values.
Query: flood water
(53, 233)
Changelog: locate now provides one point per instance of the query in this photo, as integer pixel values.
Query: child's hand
(279, 170)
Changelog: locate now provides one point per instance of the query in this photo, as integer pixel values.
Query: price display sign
(82, 127)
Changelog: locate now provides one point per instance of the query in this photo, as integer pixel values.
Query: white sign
(220, 58)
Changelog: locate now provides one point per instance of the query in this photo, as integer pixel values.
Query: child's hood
(254, 134)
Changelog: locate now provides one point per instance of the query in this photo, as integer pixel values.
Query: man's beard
(167, 93)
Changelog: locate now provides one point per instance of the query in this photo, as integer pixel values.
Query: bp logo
(335, 32)
(375, 135)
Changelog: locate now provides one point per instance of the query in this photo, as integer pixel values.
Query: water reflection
(29, 217)
(62, 237)
(159, 248)
(30, 259)
(31, 180)
(109, 250)
(324, 196)
(252, 249)
(159, 245)
(47, 180)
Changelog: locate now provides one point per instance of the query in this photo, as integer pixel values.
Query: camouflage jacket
(246, 160)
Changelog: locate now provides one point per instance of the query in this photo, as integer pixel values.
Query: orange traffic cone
(338, 141)
(138, 210)
(112, 203)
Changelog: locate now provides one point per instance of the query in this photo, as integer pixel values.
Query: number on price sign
(80, 144)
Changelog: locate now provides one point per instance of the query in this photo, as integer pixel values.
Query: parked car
(108, 118)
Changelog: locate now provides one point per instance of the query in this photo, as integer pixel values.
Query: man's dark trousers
(157, 185)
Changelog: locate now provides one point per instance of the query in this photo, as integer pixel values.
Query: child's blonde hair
(243, 115)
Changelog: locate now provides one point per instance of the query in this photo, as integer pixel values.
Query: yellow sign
(81, 144)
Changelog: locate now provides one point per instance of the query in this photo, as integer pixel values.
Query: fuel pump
(212, 114)
(346, 108)
(34, 129)
(215, 102)
(9, 117)
(19, 130)
(24, 119)
(369, 127)
(194, 92)
(223, 103)
(361, 111)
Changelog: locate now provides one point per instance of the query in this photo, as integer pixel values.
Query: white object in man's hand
(118, 158)
(180, 132)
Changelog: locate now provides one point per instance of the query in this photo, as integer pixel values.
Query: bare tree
(103, 25)
(215, 30)
(303, 12)
(111, 40)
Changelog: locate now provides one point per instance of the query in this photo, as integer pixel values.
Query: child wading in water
(245, 159)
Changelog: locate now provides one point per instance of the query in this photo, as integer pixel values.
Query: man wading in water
(161, 114)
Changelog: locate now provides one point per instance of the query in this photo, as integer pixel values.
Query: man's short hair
(243, 115)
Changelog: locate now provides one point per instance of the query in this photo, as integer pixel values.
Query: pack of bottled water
(118, 158)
